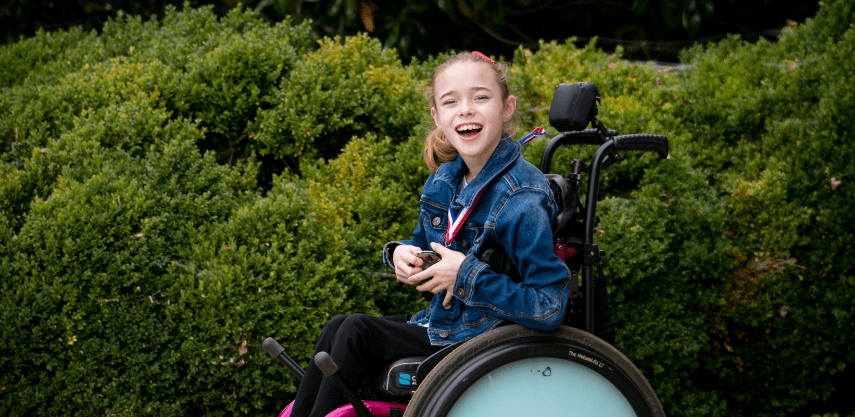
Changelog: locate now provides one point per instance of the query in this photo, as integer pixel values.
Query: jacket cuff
(388, 251)
(466, 275)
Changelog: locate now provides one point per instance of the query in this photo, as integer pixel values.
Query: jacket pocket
(474, 316)
(434, 218)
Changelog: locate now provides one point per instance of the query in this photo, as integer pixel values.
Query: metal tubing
(329, 368)
(276, 351)
(584, 137)
(590, 215)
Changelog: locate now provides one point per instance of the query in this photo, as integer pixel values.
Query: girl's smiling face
(469, 110)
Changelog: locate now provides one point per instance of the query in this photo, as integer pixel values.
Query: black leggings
(357, 343)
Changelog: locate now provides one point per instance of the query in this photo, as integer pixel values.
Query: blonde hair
(437, 150)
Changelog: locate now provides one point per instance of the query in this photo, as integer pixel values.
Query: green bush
(668, 256)
(225, 86)
(190, 64)
(90, 271)
(339, 92)
(772, 123)
(172, 192)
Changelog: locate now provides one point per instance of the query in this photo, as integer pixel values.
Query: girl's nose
(466, 107)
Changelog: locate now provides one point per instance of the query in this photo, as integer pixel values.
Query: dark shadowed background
(646, 29)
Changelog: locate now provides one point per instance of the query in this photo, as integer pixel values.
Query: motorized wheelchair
(513, 370)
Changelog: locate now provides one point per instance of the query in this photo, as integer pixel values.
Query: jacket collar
(507, 151)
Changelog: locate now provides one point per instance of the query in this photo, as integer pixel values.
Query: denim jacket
(516, 210)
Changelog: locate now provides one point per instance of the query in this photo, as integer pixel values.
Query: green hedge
(773, 124)
(172, 192)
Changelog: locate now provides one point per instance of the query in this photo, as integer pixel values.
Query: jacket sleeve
(419, 237)
(540, 300)
(417, 240)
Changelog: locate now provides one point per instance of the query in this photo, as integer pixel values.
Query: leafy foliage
(162, 210)
(772, 128)
(354, 88)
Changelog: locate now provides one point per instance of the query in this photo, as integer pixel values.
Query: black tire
(448, 382)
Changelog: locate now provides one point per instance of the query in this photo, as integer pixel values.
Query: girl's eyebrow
(446, 94)
(473, 90)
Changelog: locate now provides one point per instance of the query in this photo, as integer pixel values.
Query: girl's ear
(433, 115)
(510, 107)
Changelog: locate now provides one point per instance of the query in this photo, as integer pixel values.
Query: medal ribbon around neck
(539, 131)
(456, 222)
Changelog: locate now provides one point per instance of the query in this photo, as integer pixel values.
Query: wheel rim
(484, 355)
(562, 387)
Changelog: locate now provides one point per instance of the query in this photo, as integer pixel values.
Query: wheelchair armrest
(428, 364)
(398, 379)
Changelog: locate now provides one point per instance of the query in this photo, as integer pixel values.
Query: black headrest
(573, 105)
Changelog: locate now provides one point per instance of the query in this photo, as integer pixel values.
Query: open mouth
(469, 131)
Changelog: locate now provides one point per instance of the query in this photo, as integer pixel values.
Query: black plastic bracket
(591, 254)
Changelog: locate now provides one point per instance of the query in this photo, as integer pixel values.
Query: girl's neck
(474, 164)
(472, 170)
(469, 177)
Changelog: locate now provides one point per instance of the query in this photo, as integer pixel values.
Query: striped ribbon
(539, 131)
(456, 222)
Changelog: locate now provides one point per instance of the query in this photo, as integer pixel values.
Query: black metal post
(590, 216)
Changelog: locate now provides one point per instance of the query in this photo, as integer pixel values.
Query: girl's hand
(406, 262)
(444, 273)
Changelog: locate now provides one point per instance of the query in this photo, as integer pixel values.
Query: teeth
(466, 128)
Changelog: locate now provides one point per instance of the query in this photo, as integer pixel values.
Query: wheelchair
(513, 370)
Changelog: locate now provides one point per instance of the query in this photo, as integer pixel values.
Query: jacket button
(443, 334)
(436, 221)
(461, 292)
(465, 244)
(447, 306)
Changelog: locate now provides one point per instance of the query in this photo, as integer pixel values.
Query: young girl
(482, 194)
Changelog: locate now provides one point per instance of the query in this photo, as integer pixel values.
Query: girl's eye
(481, 97)
(448, 102)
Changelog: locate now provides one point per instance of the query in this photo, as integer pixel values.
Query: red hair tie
(483, 56)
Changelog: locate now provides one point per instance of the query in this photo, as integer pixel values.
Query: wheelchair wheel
(513, 370)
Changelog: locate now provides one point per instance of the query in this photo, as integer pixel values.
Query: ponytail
(437, 150)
